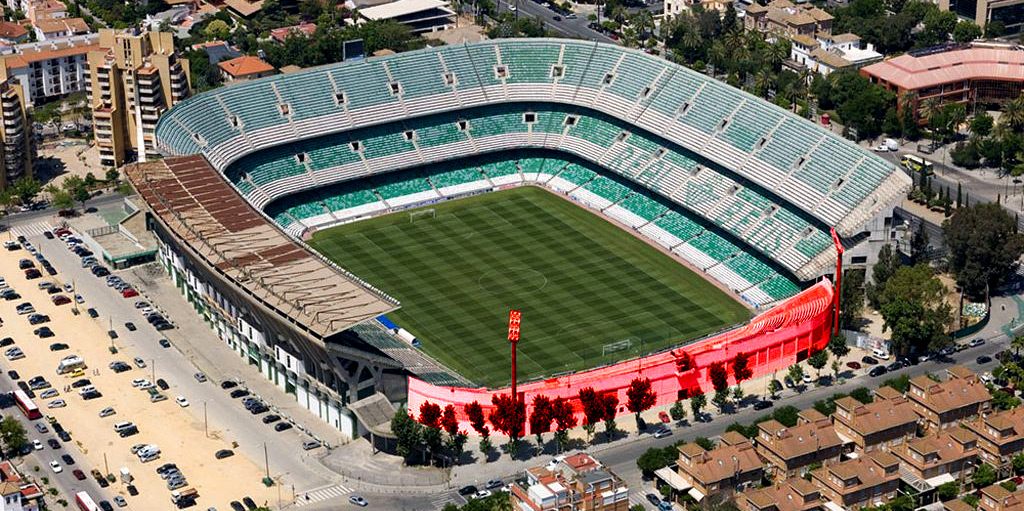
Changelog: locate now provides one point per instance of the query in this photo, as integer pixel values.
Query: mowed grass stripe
(582, 283)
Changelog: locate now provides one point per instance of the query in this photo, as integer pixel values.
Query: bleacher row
(817, 171)
(740, 210)
(754, 280)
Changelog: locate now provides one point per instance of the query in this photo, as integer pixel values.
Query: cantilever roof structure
(911, 73)
(195, 202)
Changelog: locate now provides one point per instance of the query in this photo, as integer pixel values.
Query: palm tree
(776, 53)
(1013, 113)
(1017, 344)
(643, 22)
(763, 81)
(929, 108)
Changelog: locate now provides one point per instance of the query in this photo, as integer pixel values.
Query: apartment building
(941, 457)
(1000, 436)
(881, 424)
(794, 494)
(573, 483)
(993, 498)
(790, 451)
(869, 480)
(134, 77)
(730, 467)
(49, 70)
(15, 133)
(944, 404)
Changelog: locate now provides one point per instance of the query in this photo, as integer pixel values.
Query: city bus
(917, 164)
(85, 502)
(26, 405)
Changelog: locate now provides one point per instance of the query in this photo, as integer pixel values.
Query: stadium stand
(761, 174)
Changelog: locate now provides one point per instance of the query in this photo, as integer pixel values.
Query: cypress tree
(958, 194)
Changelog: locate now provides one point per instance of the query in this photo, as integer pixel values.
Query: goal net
(616, 347)
(421, 215)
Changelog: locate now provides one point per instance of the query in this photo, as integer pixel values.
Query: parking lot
(177, 427)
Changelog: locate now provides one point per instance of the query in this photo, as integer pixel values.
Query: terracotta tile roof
(722, 462)
(37, 52)
(938, 449)
(245, 7)
(888, 393)
(10, 30)
(870, 470)
(794, 494)
(245, 65)
(790, 443)
(997, 498)
(8, 488)
(949, 395)
(910, 72)
(876, 416)
(70, 25)
(280, 34)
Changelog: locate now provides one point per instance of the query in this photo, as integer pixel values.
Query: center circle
(512, 281)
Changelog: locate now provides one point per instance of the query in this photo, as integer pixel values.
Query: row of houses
(860, 455)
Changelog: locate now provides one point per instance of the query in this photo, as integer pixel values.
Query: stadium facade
(741, 189)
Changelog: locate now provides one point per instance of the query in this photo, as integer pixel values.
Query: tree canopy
(983, 246)
(914, 309)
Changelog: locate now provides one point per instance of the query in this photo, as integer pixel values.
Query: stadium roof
(911, 73)
(195, 202)
(401, 8)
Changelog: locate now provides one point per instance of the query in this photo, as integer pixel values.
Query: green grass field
(581, 282)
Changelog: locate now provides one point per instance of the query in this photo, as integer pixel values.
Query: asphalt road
(622, 459)
(575, 28)
(43, 214)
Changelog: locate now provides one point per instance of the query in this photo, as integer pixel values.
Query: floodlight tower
(514, 317)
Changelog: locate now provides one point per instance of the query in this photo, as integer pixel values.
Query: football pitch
(590, 293)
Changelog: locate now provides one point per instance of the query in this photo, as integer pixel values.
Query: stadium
(364, 227)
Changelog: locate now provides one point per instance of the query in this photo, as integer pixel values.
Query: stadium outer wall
(774, 340)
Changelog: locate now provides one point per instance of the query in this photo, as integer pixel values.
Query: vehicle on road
(223, 453)
(57, 403)
(164, 343)
(359, 501)
(107, 412)
(79, 475)
(977, 341)
(763, 404)
(868, 360)
(130, 326)
(141, 364)
(282, 426)
(182, 402)
(984, 359)
(467, 490)
(271, 418)
(228, 384)
(853, 365)
(85, 502)
(878, 371)
(55, 466)
(200, 377)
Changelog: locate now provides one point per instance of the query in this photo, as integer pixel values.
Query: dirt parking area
(179, 432)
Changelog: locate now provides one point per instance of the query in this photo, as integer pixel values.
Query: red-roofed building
(245, 67)
(17, 494)
(280, 34)
(12, 33)
(981, 73)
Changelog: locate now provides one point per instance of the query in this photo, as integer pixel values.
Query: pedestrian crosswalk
(34, 229)
(321, 494)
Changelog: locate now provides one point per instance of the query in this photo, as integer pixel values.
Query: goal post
(422, 214)
(616, 347)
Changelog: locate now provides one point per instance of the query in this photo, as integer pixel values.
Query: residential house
(51, 69)
(573, 483)
(12, 33)
(993, 498)
(1000, 436)
(56, 28)
(782, 18)
(790, 451)
(302, 29)
(881, 424)
(827, 53)
(728, 468)
(944, 404)
(18, 494)
(941, 457)
(246, 67)
(868, 480)
(793, 494)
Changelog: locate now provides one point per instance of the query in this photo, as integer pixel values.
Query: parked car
(984, 359)
(223, 453)
(853, 365)
(977, 341)
(878, 371)
(763, 404)
(868, 360)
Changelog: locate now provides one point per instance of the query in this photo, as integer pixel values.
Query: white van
(70, 363)
(120, 426)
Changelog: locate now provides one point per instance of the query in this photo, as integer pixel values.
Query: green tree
(12, 434)
(217, 30)
(888, 262)
(851, 300)
(677, 411)
(697, 403)
(966, 31)
(60, 199)
(774, 387)
(27, 188)
(981, 124)
(721, 398)
(76, 189)
(915, 311)
(796, 374)
(1018, 464)
(837, 345)
(984, 476)
(408, 433)
(948, 491)
(818, 361)
(983, 246)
